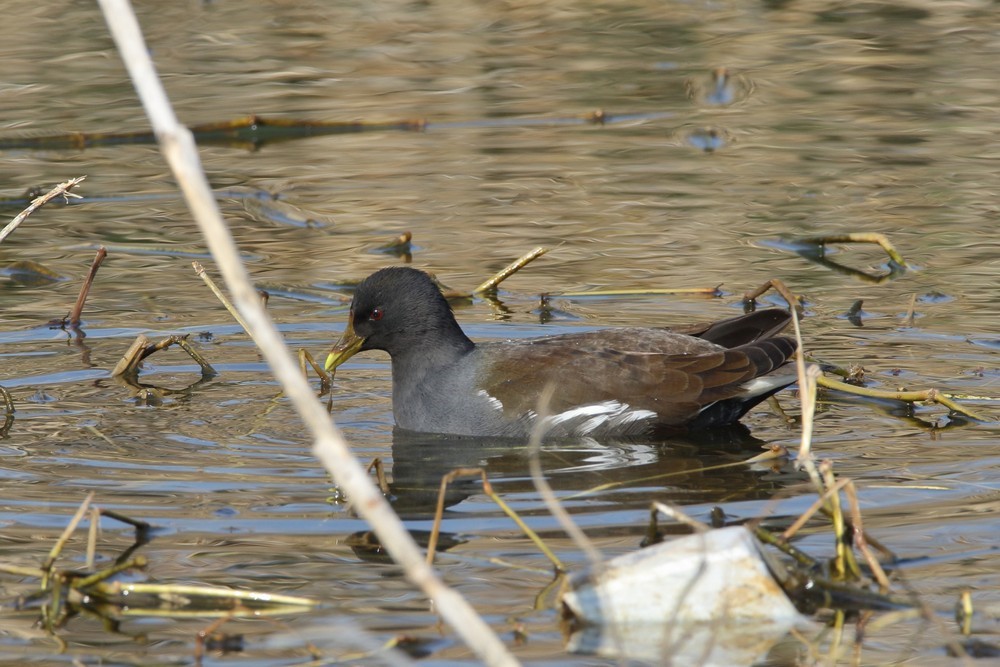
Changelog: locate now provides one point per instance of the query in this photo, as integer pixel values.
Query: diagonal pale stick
(490, 286)
(200, 270)
(38, 202)
(808, 376)
(548, 496)
(450, 477)
(178, 147)
(81, 511)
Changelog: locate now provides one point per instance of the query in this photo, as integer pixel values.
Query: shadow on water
(630, 474)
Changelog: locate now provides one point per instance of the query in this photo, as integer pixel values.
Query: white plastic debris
(702, 643)
(709, 597)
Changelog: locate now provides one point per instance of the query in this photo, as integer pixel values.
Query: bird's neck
(432, 349)
(424, 364)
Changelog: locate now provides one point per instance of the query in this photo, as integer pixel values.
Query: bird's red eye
(376, 315)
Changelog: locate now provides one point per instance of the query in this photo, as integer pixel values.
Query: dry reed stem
(182, 342)
(129, 362)
(779, 287)
(72, 586)
(251, 132)
(22, 571)
(8, 405)
(202, 637)
(861, 538)
(200, 270)
(827, 486)
(490, 285)
(324, 378)
(786, 547)
(399, 244)
(844, 564)
(835, 650)
(860, 237)
(93, 583)
(817, 505)
(330, 448)
(771, 453)
(117, 588)
(63, 538)
(488, 490)
(92, 534)
(707, 291)
(141, 348)
(139, 525)
(890, 618)
(377, 466)
(36, 203)
(807, 393)
(74, 316)
(921, 395)
(548, 496)
(556, 509)
(829, 489)
(964, 612)
(678, 515)
(911, 312)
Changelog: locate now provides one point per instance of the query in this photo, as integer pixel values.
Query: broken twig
(490, 286)
(36, 203)
(876, 238)
(488, 490)
(750, 298)
(141, 348)
(200, 270)
(923, 396)
(74, 316)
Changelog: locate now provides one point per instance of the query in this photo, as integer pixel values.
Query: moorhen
(621, 382)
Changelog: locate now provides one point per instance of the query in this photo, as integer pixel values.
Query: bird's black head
(399, 310)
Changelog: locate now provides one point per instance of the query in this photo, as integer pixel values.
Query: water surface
(838, 117)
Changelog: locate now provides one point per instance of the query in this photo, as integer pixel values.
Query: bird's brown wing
(742, 329)
(670, 374)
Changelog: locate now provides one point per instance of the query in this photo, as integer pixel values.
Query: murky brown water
(841, 117)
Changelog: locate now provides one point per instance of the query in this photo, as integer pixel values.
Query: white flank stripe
(766, 383)
(611, 415)
(493, 400)
(586, 411)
